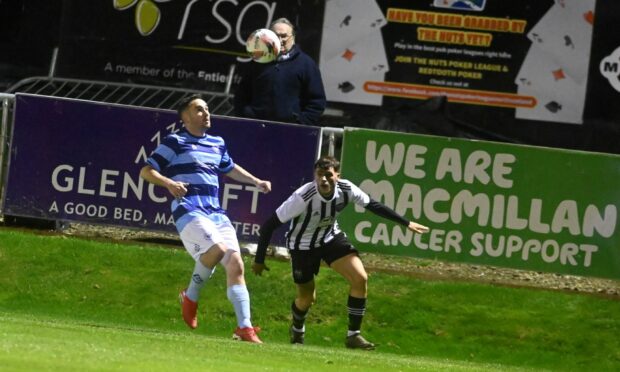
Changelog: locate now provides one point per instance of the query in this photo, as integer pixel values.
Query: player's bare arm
(176, 189)
(417, 228)
(241, 175)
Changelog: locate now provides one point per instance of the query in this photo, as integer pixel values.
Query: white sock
(200, 276)
(240, 298)
(352, 333)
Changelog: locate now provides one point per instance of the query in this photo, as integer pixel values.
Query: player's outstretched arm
(386, 212)
(242, 175)
(266, 230)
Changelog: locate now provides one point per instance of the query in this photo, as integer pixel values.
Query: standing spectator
(314, 236)
(289, 89)
(187, 163)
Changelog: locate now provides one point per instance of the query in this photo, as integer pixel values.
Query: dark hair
(286, 22)
(326, 162)
(185, 101)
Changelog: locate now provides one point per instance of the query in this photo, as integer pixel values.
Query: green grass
(74, 304)
(35, 344)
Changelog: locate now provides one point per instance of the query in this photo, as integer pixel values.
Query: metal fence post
(52, 70)
(332, 144)
(231, 75)
(4, 143)
(331, 136)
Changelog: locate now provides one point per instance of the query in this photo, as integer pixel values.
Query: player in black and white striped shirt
(314, 235)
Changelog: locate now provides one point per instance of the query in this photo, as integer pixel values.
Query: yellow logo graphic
(147, 13)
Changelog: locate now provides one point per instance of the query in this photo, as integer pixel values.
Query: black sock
(356, 308)
(299, 316)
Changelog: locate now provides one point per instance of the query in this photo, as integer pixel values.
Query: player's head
(194, 113)
(185, 102)
(326, 174)
(285, 31)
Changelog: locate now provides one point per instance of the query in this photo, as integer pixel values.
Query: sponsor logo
(147, 15)
(197, 279)
(475, 5)
(610, 69)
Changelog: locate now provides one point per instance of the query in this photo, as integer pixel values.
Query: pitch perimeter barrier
(487, 203)
(74, 160)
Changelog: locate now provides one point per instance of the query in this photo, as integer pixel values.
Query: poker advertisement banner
(173, 43)
(487, 203)
(75, 160)
(531, 57)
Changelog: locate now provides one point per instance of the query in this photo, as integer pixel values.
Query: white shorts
(201, 233)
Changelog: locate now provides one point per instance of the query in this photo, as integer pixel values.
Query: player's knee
(307, 301)
(360, 280)
(234, 266)
(214, 254)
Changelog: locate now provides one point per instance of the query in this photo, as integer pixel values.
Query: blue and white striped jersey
(313, 218)
(196, 161)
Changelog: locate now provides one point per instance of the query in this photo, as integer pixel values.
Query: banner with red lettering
(530, 56)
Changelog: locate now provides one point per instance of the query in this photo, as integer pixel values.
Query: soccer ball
(263, 45)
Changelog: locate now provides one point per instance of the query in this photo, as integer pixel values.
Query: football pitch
(30, 344)
(74, 304)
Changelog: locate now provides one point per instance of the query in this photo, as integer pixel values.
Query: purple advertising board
(75, 160)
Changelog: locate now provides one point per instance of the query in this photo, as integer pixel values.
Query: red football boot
(189, 309)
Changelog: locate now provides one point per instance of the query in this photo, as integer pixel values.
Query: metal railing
(220, 103)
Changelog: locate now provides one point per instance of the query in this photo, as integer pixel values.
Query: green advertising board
(486, 203)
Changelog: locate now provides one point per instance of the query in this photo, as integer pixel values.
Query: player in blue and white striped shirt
(188, 163)
(314, 236)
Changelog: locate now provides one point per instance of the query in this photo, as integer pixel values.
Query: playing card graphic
(567, 37)
(348, 62)
(579, 8)
(545, 78)
(347, 22)
(548, 110)
(555, 69)
(363, 58)
(351, 90)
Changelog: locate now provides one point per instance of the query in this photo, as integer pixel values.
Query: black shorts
(306, 264)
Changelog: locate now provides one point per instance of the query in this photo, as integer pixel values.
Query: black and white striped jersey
(313, 218)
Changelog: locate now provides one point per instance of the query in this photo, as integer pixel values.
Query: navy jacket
(289, 90)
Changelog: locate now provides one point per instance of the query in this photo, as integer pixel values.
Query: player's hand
(417, 228)
(177, 189)
(258, 268)
(264, 186)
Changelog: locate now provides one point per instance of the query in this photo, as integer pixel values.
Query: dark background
(30, 29)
